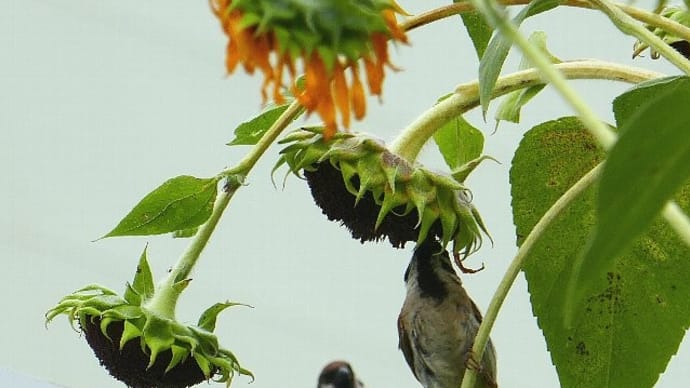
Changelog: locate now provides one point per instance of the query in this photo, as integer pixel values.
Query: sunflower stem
(627, 25)
(644, 16)
(515, 267)
(248, 162)
(168, 291)
(604, 136)
(410, 142)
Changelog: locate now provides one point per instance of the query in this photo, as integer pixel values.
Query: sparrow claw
(458, 262)
(472, 363)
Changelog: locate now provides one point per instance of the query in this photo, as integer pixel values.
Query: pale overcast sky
(103, 101)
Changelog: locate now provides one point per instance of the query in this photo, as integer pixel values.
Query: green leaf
(647, 166)
(461, 173)
(180, 203)
(207, 320)
(512, 104)
(185, 233)
(143, 278)
(629, 328)
(459, 142)
(249, 132)
(496, 52)
(479, 30)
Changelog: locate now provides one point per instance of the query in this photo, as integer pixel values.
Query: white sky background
(100, 102)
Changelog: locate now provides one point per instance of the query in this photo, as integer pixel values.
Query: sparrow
(438, 323)
(338, 374)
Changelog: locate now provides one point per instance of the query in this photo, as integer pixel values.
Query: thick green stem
(410, 142)
(596, 127)
(550, 72)
(644, 16)
(516, 266)
(169, 289)
(246, 164)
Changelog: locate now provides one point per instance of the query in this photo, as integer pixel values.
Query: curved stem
(551, 73)
(169, 289)
(515, 267)
(466, 96)
(246, 164)
(644, 16)
(595, 126)
(627, 25)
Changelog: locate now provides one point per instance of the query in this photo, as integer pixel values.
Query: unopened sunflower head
(142, 348)
(376, 194)
(679, 15)
(323, 39)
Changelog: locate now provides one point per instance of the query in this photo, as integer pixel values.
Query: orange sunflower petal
(393, 27)
(341, 93)
(232, 56)
(326, 110)
(359, 104)
(278, 80)
(375, 75)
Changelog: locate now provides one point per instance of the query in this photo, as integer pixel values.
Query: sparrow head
(338, 374)
(431, 272)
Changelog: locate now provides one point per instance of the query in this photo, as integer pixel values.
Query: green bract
(356, 180)
(334, 27)
(167, 352)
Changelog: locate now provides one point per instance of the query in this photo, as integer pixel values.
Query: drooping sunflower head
(143, 348)
(376, 194)
(322, 39)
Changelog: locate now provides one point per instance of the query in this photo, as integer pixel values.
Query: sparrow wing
(405, 345)
(488, 364)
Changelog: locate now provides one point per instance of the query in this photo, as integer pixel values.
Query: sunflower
(324, 40)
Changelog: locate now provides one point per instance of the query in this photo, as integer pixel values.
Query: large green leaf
(249, 132)
(496, 52)
(459, 142)
(648, 164)
(180, 203)
(478, 29)
(512, 104)
(628, 329)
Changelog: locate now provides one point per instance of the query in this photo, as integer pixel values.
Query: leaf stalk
(515, 267)
(169, 289)
(466, 97)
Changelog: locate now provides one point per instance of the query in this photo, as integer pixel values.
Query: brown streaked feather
(487, 375)
(405, 345)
